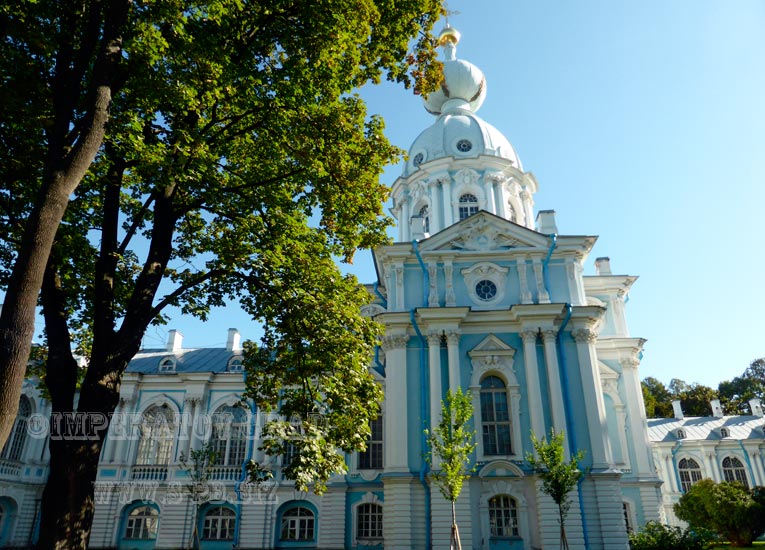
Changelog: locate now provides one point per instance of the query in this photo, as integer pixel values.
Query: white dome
(463, 81)
(461, 134)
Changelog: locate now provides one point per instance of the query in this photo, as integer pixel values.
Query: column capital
(452, 337)
(394, 341)
(584, 335)
(434, 339)
(529, 336)
(549, 334)
(631, 362)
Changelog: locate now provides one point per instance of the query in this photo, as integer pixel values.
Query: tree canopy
(728, 508)
(235, 164)
(734, 395)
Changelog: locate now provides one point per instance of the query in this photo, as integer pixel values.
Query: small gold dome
(449, 34)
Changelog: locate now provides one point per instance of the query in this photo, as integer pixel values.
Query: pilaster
(395, 418)
(453, 347)
(585, 339)
(638, 427)
(532, 382)
(553, 382)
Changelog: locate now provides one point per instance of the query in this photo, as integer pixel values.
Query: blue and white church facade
(477, 293)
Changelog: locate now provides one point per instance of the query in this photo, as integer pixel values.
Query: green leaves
(452, 441)
(559, 476)
(744, 510)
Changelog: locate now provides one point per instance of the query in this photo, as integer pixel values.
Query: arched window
(503, 516)
(724, 432)
(425, 218)
(628, 517)
(219, 523)
(369, 522)
(495, 417)
(14, 447)
(157, 436)
(690, 473)
(229, 436)
(298, 524)
(236, 364)
(733, 470)
(468, 205)
(167, 365)
(372, 458)
(142, 523)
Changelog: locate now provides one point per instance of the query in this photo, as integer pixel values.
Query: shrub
(657, 536)
(728, 508)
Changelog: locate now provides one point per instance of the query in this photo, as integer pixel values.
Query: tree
(199, 467)
(694, 398)
(61, 65)
(658, 400)
(735, 394)
(237, 165)
(729, 508)
(559, 476)
(452, 442)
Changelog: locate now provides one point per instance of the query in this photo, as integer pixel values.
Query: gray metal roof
(186, 360)
(706, 428)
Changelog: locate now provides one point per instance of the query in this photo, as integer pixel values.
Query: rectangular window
(372, 458)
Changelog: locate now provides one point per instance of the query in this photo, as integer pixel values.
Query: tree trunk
(64, 169)
(76, 440)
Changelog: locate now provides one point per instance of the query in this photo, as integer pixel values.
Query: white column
(435, 208)
(434, 368)
(446, 186)
(394, 420)
(125, 434)
(405, 219)
(669, 474)
(553, 382)
(636, 412)
(491, 204)
(593, 397)
(534, 397)
(453, 345)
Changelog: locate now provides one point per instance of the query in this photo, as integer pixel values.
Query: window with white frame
(229, 436)
(236, 364)
(495, 417)
(142, 523)
(157, 437)
(468, 205)
(690, 473)
(14, 446)
(219, 523)
(297, 524)
(167, 364)
(369, 522)
(503, 516)
(372, 457)
(733, 470)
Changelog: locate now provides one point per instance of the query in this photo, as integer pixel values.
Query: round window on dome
(418, 158)
(464, 145)
(485, 290)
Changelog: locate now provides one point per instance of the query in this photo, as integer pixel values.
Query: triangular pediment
(491, 345)
(484, 232)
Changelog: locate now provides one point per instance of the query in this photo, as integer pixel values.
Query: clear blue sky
(644, 123)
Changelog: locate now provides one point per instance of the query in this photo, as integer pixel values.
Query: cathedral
(477, 292)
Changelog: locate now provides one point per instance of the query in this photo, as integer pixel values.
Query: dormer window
(167, 364)
(236, 364)
(681, 434)
(724, 432)
(418, 158)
